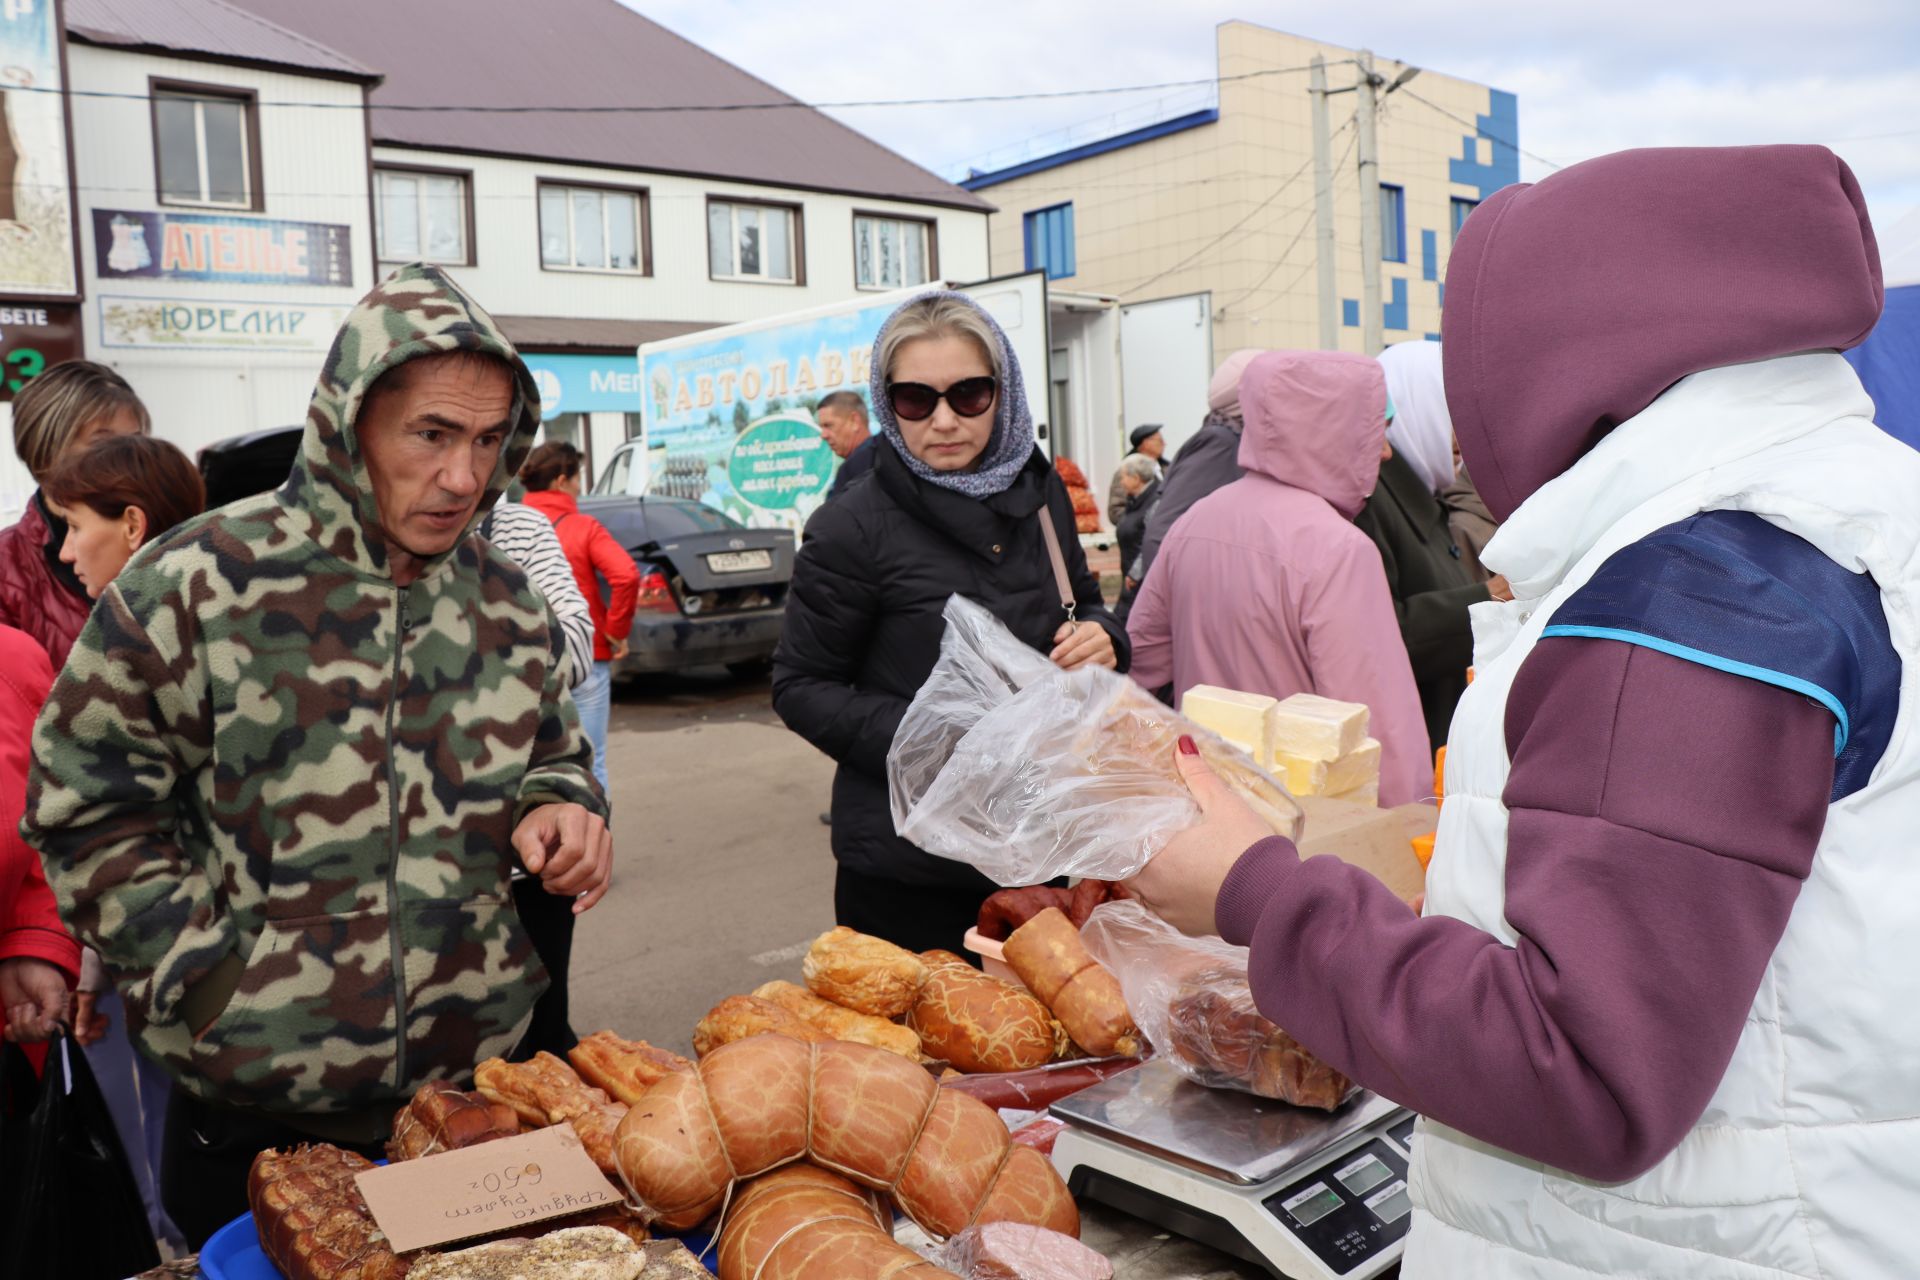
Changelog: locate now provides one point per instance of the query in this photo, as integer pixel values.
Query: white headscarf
(1421, 430)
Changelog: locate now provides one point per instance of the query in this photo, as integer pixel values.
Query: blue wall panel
(1429, 256)
(1500, 126)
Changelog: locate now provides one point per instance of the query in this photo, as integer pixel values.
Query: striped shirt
(528, 539)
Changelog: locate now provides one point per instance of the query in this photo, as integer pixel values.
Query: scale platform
(1309, 1195)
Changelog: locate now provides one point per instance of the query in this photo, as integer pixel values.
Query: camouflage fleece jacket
(277, 791)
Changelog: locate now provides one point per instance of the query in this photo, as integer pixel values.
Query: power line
(790, 104)
(1221, 238)
(1478, 131)
(1281, 259)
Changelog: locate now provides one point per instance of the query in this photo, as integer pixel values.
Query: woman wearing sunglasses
(956, 504)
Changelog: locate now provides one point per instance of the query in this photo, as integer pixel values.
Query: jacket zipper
(397, 962)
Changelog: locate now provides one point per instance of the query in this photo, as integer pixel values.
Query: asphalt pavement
(722, 871)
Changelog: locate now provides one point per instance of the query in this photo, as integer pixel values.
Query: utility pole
(1371, 321)
(1323, 207)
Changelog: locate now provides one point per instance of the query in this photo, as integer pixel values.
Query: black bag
(71, 1207)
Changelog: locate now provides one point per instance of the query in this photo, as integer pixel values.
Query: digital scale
(1309, 1195)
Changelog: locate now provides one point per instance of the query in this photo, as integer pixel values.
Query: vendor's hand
(570, 849)
(1077, 644)
(33, 994)
(89, 1024)
(1184, 878)
(1499, 588)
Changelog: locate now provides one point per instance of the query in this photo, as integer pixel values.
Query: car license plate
(739, 561)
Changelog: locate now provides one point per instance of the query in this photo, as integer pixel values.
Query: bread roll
(860, 1112)
(866, 974)
(839, 1023)
(738, 1017)
(980, 1023)
(1047, 954)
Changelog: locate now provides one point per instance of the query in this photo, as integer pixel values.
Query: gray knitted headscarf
(1011, 443)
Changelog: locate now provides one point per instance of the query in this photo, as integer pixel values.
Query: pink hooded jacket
(1267, 586)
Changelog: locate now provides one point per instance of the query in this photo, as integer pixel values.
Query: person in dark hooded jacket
(954, 506)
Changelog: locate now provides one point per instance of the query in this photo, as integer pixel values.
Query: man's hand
(1184, 878)
(1076, 644)
(570, 849)
(34, 995)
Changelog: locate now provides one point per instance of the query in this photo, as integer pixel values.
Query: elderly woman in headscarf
(961, 501)
(1209, 460)
(1432, 585)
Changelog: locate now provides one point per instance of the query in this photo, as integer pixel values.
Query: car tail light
(656, 593)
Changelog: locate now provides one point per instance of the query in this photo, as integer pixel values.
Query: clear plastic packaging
(1190, 997)
(1028, 772)
(1014, 1251)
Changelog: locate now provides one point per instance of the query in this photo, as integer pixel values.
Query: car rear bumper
(676, 643)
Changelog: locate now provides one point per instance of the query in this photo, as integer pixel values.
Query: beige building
(1220, 201)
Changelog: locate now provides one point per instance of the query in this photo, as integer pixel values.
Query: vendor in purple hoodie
(1660, 1017)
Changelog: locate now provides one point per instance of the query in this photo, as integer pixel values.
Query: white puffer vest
(1807, 1161)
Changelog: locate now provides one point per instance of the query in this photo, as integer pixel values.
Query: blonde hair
(54, 406)
(939, 315)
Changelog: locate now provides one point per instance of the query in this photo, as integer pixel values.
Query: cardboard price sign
(479, 1190)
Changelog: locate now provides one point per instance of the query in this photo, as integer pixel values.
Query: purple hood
(1574, 302)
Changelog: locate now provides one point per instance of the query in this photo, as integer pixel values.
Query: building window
(1050, 241)
(1461, 208)
(206, 144)
(753, 242)
(424, 217)
(1393, 224)
(891, 253)
(593, 229)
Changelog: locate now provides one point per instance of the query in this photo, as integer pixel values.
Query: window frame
(1458, 219)
(1028, 222)
(465, 176)
(930, 254)
(797, 249)
(159, 88)
(644, 213)
(1399, 222)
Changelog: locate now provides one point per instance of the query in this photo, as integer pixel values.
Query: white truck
(728, 412)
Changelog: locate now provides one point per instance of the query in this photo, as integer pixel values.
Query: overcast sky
(1591, 78)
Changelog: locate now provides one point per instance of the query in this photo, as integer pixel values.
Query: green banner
(778, 461)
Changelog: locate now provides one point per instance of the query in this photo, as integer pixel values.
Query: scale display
(1313, 1204)
(1364, 1174)
(1392, 1204)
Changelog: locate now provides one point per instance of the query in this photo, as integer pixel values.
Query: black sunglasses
(914, 401)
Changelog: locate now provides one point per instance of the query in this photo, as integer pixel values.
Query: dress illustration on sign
(779, 463)
(36, 209)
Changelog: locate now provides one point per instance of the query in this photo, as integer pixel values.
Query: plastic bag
(1028, 772)
(1015, 1251)
(1190, 997)
(72, 1209)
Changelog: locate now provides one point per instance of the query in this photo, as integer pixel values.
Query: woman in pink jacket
(1267, 585)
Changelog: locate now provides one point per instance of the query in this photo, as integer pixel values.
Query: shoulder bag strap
(1060, 577)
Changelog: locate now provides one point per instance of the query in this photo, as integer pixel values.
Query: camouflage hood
(276, 790)
(417, 311)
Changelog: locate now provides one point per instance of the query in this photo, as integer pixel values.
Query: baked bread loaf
(980, 1023)
(442, 1118)
(1047, 954)
(312, 1221)
(864, 1113)
(623, 1069)
(803, 1223)
(1214, 1028)
(546, 1091)
(866, 974)
(839, 1023)
(738, 1017)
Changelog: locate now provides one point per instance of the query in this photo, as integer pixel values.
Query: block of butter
(1301, 776)
(1355, 769)
(1317, 728)
(1244, 719)
(1368, 795)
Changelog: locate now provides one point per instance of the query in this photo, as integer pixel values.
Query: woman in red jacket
(39, 960)
(552, 476)
(56, 415)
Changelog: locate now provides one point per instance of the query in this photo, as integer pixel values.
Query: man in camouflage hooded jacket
(282, 780)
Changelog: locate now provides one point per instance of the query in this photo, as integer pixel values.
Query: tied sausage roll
(979, 1023)
(1047, 954)
(803, 1223)
(755, 1105)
